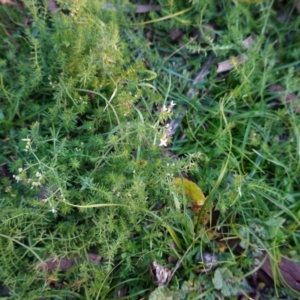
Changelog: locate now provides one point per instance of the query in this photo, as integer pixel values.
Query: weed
(89, 194)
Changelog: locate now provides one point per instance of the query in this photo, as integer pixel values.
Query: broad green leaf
(164, 293)
(218, 279)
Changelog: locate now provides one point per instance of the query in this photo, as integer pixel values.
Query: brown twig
(179, 263)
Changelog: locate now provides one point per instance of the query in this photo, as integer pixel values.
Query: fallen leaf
(52, 6)
(248, 42)
(222, 247)
(175, 34)
(191, 190)
(9, 2)
(227, 65)
(289, 272)
(208, 261)
(144, 8)
(161, 274)
(54, 263)
(285, 97)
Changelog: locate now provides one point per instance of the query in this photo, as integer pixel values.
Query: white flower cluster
(169, 108)
(34, 183)
(28, 142)
(38, 182)
(166, 136)
(17, 177)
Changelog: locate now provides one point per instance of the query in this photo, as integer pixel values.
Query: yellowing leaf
(222, 246)
(191, 190)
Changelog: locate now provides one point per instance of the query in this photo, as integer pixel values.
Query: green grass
(82, 173)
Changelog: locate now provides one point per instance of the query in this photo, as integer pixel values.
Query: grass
(88, 197)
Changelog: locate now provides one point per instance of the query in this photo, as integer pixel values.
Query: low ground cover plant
(149, 149)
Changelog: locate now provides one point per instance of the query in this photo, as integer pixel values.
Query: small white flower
(164, 108)
(20, 170)
(18, 178)
(53, 210)
(172, 104)
(38, 174)
(35, 184)
(240, 191)
(163, 142)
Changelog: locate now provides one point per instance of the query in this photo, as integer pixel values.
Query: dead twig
(285, 98)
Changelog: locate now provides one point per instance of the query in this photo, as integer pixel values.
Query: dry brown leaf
(10, 2)
(289, 98)
(54, 263)
(161, 274)
(248, 42)
(290, 272)
(228, 65)
(175, 34)
(57, 264)
(209, 261)
(144, 8)
(52, 6)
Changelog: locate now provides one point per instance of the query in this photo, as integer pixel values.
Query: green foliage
(71, 122)
(81, 118)
(223, 280)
